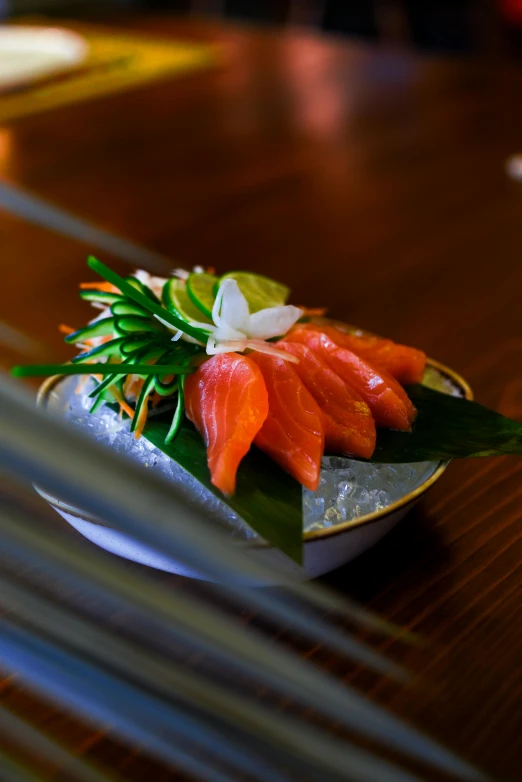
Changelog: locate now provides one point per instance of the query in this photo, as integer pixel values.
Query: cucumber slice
(142, 289)
(200, 290)
(101, 328)
(177, 301)
(104, 397)
(135, 343)
(132, 293)
(112, 348)
(152, 355)
(165, 388)
(178, 413)
(260, 292)
(132, 324)
(112, 380)
(102, 385)
(102, 296)
(143, 356)
(109, 380)
(127, 307)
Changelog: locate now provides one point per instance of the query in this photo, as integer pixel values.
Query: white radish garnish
(236, 330)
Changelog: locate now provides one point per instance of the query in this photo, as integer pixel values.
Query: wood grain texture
(371, 181)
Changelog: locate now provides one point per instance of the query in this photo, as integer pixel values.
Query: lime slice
(200, 289)
(177, 301)
(259, 291)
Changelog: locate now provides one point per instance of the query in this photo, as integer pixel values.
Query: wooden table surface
(371, 181)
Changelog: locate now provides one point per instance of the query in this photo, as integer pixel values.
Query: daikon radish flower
(236, 330)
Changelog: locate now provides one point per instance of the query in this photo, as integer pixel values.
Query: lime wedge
(177, 301)
(200, 289)
(260, 292)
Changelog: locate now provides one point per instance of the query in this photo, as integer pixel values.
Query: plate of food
(309, 439)
(31, 53)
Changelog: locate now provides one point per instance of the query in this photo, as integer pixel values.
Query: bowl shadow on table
(415, 538)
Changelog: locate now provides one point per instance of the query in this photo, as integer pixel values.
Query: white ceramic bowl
(324, 550)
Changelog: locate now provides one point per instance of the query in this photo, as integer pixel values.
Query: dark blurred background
(458, 26)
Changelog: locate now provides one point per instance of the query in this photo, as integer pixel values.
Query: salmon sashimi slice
(293, 433)
(349, 427)
(404, 363)
(226, 399)
(386, 398)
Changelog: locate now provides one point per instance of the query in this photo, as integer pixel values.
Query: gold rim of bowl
(315, 535)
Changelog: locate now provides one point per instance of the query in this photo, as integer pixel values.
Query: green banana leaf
(448, 427)
(270, 501)
(266, 497)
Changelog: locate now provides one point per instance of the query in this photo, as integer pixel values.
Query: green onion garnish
(161, 370)
(146, 303)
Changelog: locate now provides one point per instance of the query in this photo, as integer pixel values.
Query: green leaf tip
(449, 427)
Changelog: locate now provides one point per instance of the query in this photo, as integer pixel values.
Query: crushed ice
(348, 489)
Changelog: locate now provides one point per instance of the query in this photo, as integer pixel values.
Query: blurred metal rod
(11, 771)
(253, 724)
(162, 678)
(268, 739)
(29, 737)
(189, 620)
(43, 448)
(101, 697)
(37, 211)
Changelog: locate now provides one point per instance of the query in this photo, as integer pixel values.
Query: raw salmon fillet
(348, 424)
(293, 433)
(226, 399)
(386, 398)
(404, 363)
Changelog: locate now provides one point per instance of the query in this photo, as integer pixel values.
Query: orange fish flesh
(226, 399)
(293, 433)
(404, 363)
(387, 400)
(348, 424)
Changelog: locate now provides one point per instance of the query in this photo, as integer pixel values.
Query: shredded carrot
(124, 407)
(142, 420)
(63, 329)
(211, 270)
(105, 287)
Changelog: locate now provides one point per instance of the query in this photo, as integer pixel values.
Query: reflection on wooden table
(116, 61)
